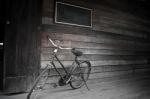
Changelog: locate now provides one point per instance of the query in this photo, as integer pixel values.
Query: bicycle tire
(79, 77)
(37, 81)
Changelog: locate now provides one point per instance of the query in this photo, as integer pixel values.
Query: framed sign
(73, 15)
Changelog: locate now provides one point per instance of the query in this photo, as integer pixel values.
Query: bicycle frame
(68, 74)
(62, 65)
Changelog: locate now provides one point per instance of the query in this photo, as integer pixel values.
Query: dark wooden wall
(117, 44)
(21, 44)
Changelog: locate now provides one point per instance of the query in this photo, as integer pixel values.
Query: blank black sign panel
(73, 15)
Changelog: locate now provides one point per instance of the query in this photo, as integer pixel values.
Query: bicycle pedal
(68, 80)
(39, 87)
(54, 85)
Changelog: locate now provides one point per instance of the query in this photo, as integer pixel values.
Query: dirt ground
(129, 87)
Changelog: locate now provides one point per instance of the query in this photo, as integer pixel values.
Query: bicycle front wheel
(80, 75)
(38, 85)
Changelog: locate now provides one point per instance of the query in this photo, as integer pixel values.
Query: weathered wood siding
(117, 44)
(21, 44)
(1, 66)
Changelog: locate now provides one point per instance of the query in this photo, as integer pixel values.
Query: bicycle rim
(38, 86)
(80, 75)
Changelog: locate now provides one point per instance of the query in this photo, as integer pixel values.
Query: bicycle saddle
(76, 52)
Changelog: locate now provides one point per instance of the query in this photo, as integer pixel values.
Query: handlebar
(55, 45)
(1, 44)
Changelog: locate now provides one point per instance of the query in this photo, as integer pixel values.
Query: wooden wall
(21, 44)
(1, 66)
(117, 44)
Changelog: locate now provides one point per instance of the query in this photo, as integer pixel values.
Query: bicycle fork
(81, 71)
(85, 82)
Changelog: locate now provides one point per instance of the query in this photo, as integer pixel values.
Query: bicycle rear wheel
(80, 75)
(38, 85)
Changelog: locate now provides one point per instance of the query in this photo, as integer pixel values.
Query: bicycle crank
(64, 80)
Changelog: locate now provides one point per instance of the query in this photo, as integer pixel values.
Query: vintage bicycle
(76, 75)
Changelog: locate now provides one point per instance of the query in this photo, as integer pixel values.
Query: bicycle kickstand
(85, 84)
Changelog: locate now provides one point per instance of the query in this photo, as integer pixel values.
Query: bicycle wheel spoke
(80, 75)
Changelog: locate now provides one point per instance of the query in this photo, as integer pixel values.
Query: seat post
(76, 59)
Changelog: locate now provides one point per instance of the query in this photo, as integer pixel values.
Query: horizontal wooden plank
(100, 62)
(105, 68)
(89, 45)
(93, 39)
(109, 74)
(110, 28)
(121, 22)
(93, 57)
(134, 32)
(63, 29)
(116, 73)
(48, 50)
(145, 70)
(118, 62)
(109, 11)
(111, 68)
(54, 79)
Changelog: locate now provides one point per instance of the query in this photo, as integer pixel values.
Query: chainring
(64, 80)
